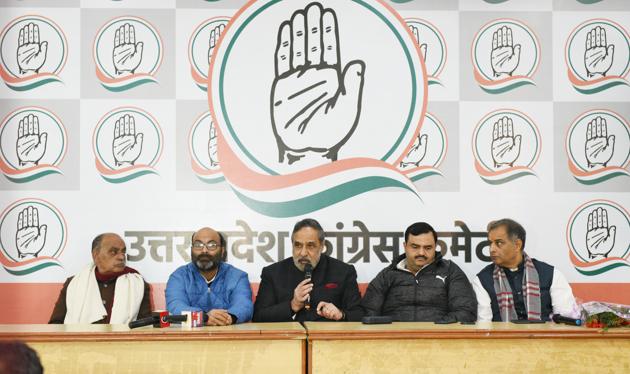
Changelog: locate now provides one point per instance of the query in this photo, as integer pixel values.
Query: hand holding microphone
(301, 293)
(308, 273)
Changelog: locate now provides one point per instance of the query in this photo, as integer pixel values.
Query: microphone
(308, 273)
(557, 318)
(189, 319)
(163, 319)
(176, 318)
(144, 322)
(158, 318)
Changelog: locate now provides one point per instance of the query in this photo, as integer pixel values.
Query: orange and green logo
(432, 46)
(33, 143)
(127, 52)
(33, 52)
(598, 146)
(506, 146)
(505, 55)
(597, 54)
(203, 150)
(598, 236)
(127, 144)
(424, 156)
(326, 117)
(201, 48)
(33, 234)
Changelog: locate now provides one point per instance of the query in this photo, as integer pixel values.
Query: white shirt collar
(402, 265)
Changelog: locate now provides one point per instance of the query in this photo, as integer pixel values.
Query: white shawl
(84, 303)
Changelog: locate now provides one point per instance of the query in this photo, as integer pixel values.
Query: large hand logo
(504, 56)
(30, 236)
(31, 54)
(506, 147)
(127, 145)
(600, 239)
(599, 147)
(598, 56)
(127, 53)
(423, 46)
(31, 145)
(212, 146)
(215, 34)
(315, 105)
(416, 153)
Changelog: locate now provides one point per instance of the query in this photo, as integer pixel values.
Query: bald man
(106, 291)
(209, 284)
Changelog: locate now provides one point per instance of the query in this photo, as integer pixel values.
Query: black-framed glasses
(211, 245)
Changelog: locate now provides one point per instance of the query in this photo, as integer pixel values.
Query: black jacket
(440, 291)
(333, 281)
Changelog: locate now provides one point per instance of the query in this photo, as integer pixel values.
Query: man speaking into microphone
(309, 286)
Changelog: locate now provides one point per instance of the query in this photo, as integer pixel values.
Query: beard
(206, 262)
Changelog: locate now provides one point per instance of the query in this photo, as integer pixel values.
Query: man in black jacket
(286, 294)
(420, 285)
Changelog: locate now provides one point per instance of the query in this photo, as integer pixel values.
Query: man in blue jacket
(210, 285)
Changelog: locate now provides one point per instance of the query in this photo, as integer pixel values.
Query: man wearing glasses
(209, 284)
(309, 286)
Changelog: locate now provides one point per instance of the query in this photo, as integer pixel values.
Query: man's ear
(94, 253)
(519, 244)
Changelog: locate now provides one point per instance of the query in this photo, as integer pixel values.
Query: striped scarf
(531, 289)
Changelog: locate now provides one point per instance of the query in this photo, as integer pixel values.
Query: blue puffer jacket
(187, 290)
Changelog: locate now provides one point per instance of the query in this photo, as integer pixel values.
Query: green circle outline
(63, 45)
(63, 143)
(222, 78)
(586, 207)
(520, 26)
(625, 70)
(150, 27)
(192, 45)
(575, 127)
(98, 131)
(516, 114)
(442, 45)
(2, 246)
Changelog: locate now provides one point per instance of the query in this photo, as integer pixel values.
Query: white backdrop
(155, 189)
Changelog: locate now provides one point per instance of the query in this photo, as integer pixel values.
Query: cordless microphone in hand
(308, 273)
(557, 318)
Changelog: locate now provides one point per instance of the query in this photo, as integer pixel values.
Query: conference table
(244, 348)
(406, 347)
(327, 347)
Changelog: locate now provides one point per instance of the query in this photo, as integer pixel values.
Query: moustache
(420, 257)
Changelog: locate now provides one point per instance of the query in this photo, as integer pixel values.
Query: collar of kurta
(106, 277)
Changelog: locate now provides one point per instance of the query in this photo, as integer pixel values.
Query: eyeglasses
(211, 246)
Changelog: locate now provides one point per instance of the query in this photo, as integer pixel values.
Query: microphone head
(308, 270)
